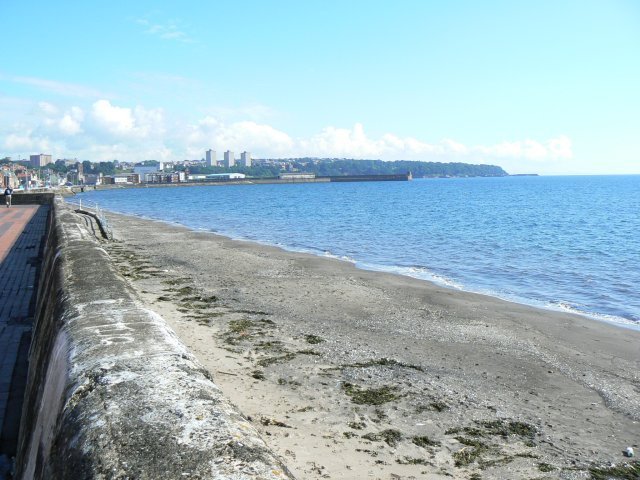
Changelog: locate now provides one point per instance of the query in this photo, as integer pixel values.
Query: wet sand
(351, 374)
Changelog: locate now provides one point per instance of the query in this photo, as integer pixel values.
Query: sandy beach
(351, 374)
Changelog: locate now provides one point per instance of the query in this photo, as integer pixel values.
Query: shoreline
(350, 373)
(617, 321)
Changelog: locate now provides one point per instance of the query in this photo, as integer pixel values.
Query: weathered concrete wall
(29, 198)
(112, 392)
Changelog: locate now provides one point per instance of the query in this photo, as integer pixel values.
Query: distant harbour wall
(112, 392)
(251, 181)
(371, 178)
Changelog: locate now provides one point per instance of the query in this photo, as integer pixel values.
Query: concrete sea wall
(112, 392)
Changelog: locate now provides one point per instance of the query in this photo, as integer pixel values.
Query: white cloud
(104, 131)
(126, 122)
(210, 132)
(60, 88)
(116, 120)
(560, 147)
(171, 30)
(26, 142)
(553, 149)
(47, 108)
(69, 125)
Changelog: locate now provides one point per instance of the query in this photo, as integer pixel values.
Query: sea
(569, 243)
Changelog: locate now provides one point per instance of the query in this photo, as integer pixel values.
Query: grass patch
(177, 281)
(383, 362)
(627, 471)
(545, 467)
(349, 434)
(390, 436)
(356, 425)
(200, 298)
(193, 306)
(253, 312)
(270, 422)
(468, 455)
(373, 453)
(313, 339)
(273, 346)
(240, 326)
(284, 381)
(372, 396)
(265, 362)
(505, 429)
(470, 442)
(434, 406)
(424, 441)
(497, 427)
(308, 352)
(412, 461)
(186, 291)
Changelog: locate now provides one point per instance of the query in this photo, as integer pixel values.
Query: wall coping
(112, 392)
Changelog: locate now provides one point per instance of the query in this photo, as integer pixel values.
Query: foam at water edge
(420, 273)
(613, 319)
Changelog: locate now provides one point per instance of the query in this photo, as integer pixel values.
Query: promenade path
(22, 235)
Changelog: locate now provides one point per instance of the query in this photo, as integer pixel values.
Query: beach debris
(390, 436)
(373, 396)
(424, 441)
(628, 452)
(267, 422)
(625, 471)
(313, 339)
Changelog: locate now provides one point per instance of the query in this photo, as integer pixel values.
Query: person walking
(7, 196)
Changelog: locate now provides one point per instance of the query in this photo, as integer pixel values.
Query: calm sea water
(570, 243)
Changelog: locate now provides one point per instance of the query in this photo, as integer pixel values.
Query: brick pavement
(22, 235)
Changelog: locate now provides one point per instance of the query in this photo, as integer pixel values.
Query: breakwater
(111, 391)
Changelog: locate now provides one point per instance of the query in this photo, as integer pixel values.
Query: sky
(548, 87)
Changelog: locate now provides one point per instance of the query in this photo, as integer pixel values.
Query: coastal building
(93, 179)
(211, 160)
(216, 177)
(245, 159)
(153, 177)
(9, 178)
(121, 179)
(142, 170)
(229, 159)
(292, 177)
(40, 160)
(196, 177)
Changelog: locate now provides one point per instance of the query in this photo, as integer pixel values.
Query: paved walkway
(22, 234)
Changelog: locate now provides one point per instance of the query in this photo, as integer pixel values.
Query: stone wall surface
(112, 392)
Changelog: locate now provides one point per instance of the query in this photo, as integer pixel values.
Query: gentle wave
(563, 243)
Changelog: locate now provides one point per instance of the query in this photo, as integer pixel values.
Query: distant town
(41, 171)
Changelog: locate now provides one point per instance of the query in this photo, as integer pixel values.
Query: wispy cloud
(60, 88)
(171, 30)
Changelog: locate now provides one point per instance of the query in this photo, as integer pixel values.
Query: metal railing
(93, 209)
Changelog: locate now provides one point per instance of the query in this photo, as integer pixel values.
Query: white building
(225, 176)
(211, 160)
(245, 159)
(229, 159)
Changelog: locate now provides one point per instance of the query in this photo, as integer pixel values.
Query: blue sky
(551, 87)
